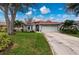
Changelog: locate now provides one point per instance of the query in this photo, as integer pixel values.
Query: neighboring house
(18, 28)
(41, 26)
(2, 24)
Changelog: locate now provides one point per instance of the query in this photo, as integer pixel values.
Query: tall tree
(12, 9)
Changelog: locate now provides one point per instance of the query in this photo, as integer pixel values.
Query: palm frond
(73, 7)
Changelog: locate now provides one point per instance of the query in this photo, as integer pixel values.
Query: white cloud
(36, 19)
(44, 10)
(34, 9)
(31, 9)
(60, 9)
(52, 18)
(29, 13)
(59, 15)
(68, 16)
(65, 16)
(40, 16)
(77, 18)
(62, 17)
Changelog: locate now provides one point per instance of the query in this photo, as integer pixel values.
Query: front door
(37, 27)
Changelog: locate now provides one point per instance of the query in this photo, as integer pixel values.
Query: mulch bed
(6, 48)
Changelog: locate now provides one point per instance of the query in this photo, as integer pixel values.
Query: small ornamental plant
(5, 41)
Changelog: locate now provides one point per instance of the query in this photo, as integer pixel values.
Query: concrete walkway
(63, 44)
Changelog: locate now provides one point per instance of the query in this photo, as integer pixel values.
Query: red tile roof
(48, 22)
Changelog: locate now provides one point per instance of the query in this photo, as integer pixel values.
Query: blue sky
(45, 11)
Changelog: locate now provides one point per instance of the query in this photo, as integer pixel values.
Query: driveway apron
(62, 44)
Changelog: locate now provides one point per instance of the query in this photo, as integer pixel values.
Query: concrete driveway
(62, 44)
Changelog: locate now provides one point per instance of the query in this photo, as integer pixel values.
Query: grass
(29, 44)
(76, 35)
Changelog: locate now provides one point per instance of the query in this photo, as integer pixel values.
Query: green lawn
(76, 35)
(29, 44)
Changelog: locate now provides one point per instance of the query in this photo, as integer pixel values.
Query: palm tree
(18, 24)
(68, 23)
(69, 26)
(73, 7)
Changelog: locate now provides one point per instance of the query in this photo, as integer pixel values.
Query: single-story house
(41, 26)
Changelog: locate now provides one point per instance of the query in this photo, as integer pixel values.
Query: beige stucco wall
(43, 28)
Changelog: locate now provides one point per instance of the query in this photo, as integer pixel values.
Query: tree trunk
(10, 29)
(9, 25)
(9, 22)
(12, 22)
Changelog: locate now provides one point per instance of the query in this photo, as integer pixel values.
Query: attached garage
(49, 28)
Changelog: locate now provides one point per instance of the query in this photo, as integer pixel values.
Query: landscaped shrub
(3, 29)
(69, 26)
(5, 42)
(32, 31)
(70, 31)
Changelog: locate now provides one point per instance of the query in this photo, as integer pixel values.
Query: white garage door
(49, 28)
